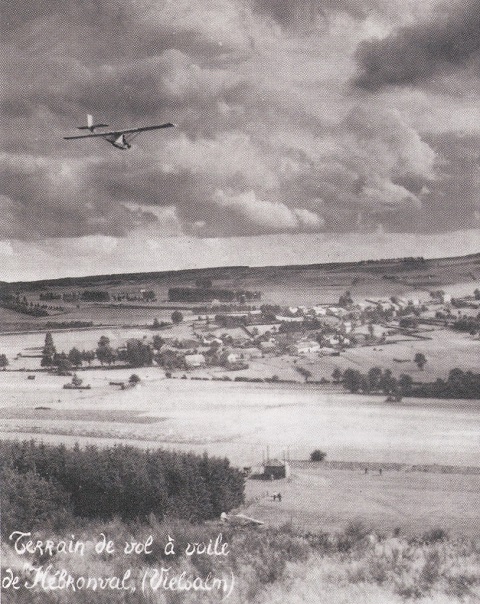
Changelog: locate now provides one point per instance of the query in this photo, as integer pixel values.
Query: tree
(64, 366)
(388, 383)
(48, 351)
(88, 355)
(317, 455)
(76, 381)
(352, 380)
(158, 342)
(75, 357)
(134, 379)
(336, 375)
(420, 360)
(105, 353)
(345, 299)
(3, 361)
(48, 340)
(138, 354)
(405, 383)
(177, 317)
(374, 377)
(307, 374)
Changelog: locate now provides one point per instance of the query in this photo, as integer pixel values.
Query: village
(227, 334)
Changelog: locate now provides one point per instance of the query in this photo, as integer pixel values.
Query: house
(306, 347)
(275, 469)
(347, 326)
(228, 358)
(210, 339)
(326, 351)
(267, 346)
(193, 361)
(290, 319)
(320, 311)
(334, 311)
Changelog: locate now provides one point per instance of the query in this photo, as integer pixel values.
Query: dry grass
(275, 567)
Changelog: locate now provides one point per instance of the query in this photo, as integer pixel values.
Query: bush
(317, 455)
(434, 535)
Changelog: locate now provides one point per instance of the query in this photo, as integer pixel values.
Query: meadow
(240, 420)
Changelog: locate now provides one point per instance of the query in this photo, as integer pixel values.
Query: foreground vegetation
(268, 565)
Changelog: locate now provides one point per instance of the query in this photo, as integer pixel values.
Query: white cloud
(268, 216)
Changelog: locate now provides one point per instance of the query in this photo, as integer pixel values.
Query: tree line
(458, 385)
(135, 353)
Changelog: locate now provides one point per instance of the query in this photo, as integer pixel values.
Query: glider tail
(90, 125)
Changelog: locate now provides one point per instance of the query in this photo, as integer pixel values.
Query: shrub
(134, 379)
(317, 455)
(434, 535)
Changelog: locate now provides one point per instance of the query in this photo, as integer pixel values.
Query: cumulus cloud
(260, 216)
(271, 137)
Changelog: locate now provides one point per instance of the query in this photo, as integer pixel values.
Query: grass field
(326, 499)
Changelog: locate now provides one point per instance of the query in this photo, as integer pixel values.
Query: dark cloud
(313, 14)
(453, 199)
(417, 53)
(49, 198)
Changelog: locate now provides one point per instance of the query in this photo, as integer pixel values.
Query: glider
(121, 139)
(240, 519)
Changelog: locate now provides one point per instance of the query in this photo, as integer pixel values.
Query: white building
(306, 347)
(194, 360)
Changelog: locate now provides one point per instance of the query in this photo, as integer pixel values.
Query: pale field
(100, 315)
(83, 339)
(445, 350)
(240, 420)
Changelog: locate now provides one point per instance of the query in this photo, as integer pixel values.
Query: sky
(308, 131)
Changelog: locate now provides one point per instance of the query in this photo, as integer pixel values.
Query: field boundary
(377, 466)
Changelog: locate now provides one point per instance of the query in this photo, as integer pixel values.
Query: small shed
(275, 469)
